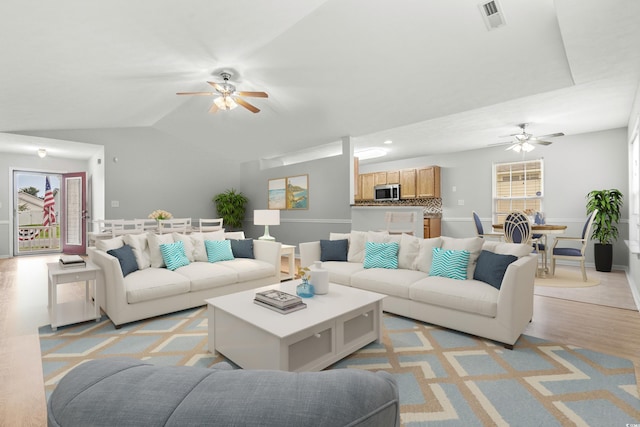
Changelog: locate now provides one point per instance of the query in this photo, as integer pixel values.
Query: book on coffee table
(285, 310)
(277, 298)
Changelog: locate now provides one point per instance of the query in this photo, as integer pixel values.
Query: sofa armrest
(309, 253)
(268, 251)
(515, 300)
(112, 286)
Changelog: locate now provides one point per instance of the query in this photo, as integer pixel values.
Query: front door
(73, 230)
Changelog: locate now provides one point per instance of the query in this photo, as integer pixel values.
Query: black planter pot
(603, 254)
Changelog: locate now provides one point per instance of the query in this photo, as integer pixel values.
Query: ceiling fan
(524, 140)
(228, 98)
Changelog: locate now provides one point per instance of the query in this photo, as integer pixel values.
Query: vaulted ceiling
(428, 75)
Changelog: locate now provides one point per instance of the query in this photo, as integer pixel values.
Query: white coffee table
(332, 326)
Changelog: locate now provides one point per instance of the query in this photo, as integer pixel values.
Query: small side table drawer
(75, 275)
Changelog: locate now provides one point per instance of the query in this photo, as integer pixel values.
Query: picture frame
(297, 192)
(277, 193)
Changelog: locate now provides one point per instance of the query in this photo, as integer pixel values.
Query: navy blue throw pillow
(490, 267)
(242, 248)
(126, 258)
(334, 250)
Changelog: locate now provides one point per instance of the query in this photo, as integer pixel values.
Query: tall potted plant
(231, 207)
(609, 204)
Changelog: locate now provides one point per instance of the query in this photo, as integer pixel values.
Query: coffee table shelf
(330, 328)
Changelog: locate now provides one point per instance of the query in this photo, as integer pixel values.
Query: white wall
(634, 258)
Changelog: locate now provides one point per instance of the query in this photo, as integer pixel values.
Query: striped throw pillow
(173, 255)
(218, 250)
(381, 255)
(449, 263)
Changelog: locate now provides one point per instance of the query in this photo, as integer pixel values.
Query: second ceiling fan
(524, 140)
(228, 98)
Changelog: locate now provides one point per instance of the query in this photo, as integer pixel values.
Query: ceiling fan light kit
(227, 96)
(524, 140)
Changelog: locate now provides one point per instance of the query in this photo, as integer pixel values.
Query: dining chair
(210, 224)
(517, 229)
(124, 226)
(573, 253)
(400, 222)
(480, 229)
(178, 225)
(148, 224)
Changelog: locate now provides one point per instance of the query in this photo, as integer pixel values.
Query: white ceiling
(426, 74)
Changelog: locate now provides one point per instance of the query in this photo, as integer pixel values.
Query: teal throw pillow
(490, 267)
(218, 250)
(173, 255)
(126, 258)
(449, 263)
(381, 255)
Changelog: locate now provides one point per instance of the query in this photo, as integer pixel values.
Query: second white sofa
(499, 312)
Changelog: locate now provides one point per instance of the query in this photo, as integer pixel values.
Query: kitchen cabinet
(431, 227)
(367, 184)
(428, 182)
(408, 184)
(380, 178)
(393, 177)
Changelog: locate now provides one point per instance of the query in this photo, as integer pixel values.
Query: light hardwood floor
(23, 307)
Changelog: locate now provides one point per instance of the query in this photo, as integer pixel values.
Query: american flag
(49, 207)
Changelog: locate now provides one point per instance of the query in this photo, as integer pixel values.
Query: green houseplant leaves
(231, 207)
(608, 203)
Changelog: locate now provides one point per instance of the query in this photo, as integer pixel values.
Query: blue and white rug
(445, 378)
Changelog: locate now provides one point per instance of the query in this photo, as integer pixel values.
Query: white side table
(73, 311)
(290, 252)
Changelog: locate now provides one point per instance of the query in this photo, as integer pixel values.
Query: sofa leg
(508, 346)
(118, 326)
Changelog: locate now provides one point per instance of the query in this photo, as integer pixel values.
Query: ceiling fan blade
(512, 146)
(214, 108)
(537, 141)
(254, 94)
(551, 135)
(217, 86)
(196, 93)
(246, 105)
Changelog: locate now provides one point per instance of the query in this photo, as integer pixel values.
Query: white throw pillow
(502, 248)
(340, 236)
(140, 247)
(187, 243)
(378, 236)
(425, 254)
(108, 244)
(356, 246)
(197, 240)
(155, 240)
(408, 252)
(471, 244)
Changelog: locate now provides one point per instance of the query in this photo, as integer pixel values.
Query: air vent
(492, 14)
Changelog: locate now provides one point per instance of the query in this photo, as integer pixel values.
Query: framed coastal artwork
(297, 195)
(277, 193)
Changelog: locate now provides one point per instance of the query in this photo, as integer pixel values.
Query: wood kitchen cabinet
(393, 177)
(428, 182)
(431, 227)
(408, 184)
(380, 178)
(367, 184)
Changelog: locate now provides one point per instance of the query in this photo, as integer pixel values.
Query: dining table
(545, 230)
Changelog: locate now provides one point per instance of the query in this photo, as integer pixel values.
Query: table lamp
(266, 217)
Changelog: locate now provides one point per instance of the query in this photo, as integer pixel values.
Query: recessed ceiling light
(42, 153)
(388, 141)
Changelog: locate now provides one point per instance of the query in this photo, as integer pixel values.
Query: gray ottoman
(129, 392)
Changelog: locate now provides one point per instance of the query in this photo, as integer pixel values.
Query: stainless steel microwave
(386, 192)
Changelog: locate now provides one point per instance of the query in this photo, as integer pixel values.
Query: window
(517, 186)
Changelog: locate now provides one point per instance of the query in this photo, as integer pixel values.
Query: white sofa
(470, 306)
(154, 290)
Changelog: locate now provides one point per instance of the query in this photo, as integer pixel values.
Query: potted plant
(608, 203)
(231, 207)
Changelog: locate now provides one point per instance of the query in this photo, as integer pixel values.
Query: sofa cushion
(471, 244)
(187, 243)
(126, 258)
(140, 247)
(218, 250)
(408, 251)
(339, 236)
(356, 246)
(206, 275)
(503, 248)
(107, 244)
(250, 269)
(425, 254)
(173, 255)
(153, 283)
(471, 296)
(491, 267)
(199, 248)
(341, 272)
(155, 240)
(334, 250)
(242, 248)
(381, 255)
(449, 263)
(386, 281)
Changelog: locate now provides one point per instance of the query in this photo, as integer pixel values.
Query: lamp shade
(266, 217)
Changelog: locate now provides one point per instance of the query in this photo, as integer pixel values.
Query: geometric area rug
(445, 378)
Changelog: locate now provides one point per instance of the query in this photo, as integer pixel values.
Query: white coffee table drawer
(307, 352)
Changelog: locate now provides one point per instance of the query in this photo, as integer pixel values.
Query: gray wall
(574, 165)
(634, 257)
